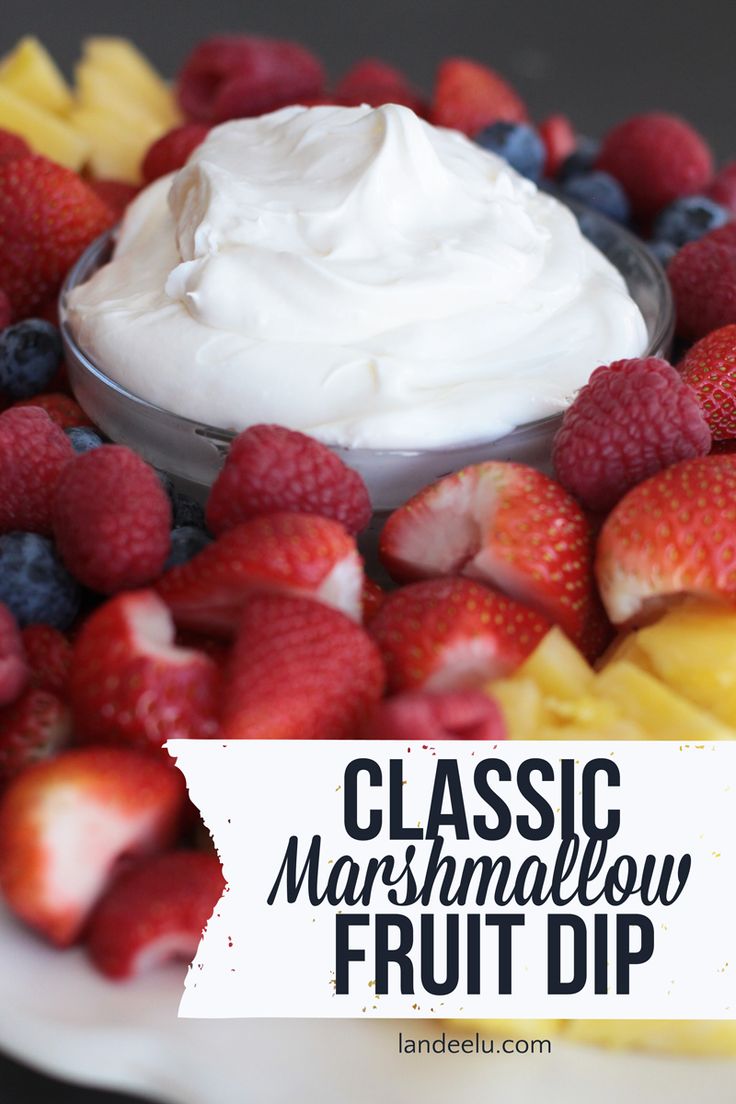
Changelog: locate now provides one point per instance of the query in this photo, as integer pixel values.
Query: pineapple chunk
(116, 151)
(627, 646)
(557, 667)
(134, 75)
(697, 1037)
(662, 713)
(99, 92)
(30, 71)
(693, 649)
(44, 132)
(521, 705)
(515, 1029)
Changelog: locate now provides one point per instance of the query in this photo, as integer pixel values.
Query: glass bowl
(192, 453)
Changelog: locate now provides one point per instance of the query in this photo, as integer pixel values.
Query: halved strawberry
(65, 824)
(507, 525)
(131, 684)
(296, 553)
(154, 913)
(454, 715)
(35, 727)
(299, 671)
(452, 634)
(13, 663)
(672, 535)
(469, 96)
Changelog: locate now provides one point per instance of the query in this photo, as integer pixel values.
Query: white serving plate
(58, 1015)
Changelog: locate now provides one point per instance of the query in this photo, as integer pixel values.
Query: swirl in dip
(357, 274)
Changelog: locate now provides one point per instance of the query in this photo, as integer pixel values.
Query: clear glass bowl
(192, 452)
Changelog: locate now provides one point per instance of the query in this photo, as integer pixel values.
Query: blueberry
(600, 191)
(186, 542)
(687, 219)
(518, 144)
(581, 160)
(664, 251)
(83, 439)
(34, 583)
(30, 353)
(187, 512)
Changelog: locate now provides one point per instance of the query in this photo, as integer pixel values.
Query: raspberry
(374, 82)
(49, 655)
(12, 146)
(33, 454)
(709, 368)
(634, 418)
(703, 279)
(172, 150)
(657, 158)
(723, 187)
(111, 520)
(270, 469)
(559, 142)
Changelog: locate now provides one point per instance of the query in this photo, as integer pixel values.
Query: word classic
(449, 921)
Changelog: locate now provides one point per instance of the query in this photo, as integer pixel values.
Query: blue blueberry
(83, 439)
(518, 144)
(187, 512)
(600, 191)
(581, 160)
(34, 583)
(664, 251)
(186, 542)
(30, 353)
(687, 219)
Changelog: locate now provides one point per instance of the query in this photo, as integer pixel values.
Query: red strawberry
(674, 534)
(656, 158)
(296, 553)
(154, 913)
(454, 715)
(131, 684)
(116, 194)
(468, 96)
(66, 823)
(6, 312)
(33, 454)
(36, 726)
(12, 147)
(49, 655)
(232, 76)
(560, 140)
(723, 187)
(633, 418)
(270, 469)
(452, 634)
(13, 662)
(375, 82)
(299, 671)
(709, 367)
(505, 524)
(62, 409)
(373, 599)
(169, 152)
(112, 520)
(48, 216)
(703, 279)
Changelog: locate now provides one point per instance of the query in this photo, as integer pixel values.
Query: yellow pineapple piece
(134, 75)
(45, 133)
(557, 667)
(30, 71)
(662, 713)
(521, 705)
(627, 647)
(695, 1037)
(115, 150)
(99, 92)
(693, 649)
(515, 1029)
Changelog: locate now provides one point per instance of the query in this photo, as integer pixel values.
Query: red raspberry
(270, 469)
(723, 187)
(656, 158)
(703, 279)
(117, 194)
(233, 76)
(13, 664)
(710, 369)
(172, 150)
(633, 418)
(12, 146)
(6, 311)
(36, 726)
(62, 409)
(49, 655)
(33, 454)
(112, 520)
(374, 82)
(559, 139)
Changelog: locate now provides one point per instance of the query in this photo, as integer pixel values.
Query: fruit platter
(333, 412)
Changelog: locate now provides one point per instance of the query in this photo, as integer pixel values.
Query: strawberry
(373, 599)
(154, 913)
(454, 715)
(270, 469)
(674, 534)
(709, 367)
(13, 662)
(60, 408)
(112, 520)
(171, 151)
(130, 683)
(375, 82)
(35, 727)
(560, 141)
(48, 216)
(299, 671)
(12, 147)
(65, 824)
(452, 634)
(33, 455)
(296, 553)
(469, 97)
(116, 194)
(49, 655)
(505, 524)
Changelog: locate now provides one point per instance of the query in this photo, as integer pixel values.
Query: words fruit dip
(357, 274)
